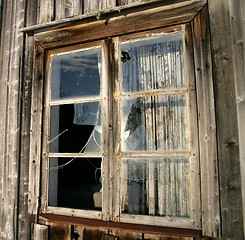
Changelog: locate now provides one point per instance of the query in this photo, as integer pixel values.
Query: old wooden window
(120, 120)
(75, 148)
(128, 126)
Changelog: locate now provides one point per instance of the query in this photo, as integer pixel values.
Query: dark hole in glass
(74, 183)
(79, 183)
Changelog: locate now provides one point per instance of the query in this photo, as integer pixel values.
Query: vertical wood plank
(40, 232)
(237, 23)
(59, 9)
(31, 12)
(5, 55)
(67, 8)
(24, 220)
(194, 170)
(91, 6)
(207, 127)
(45, 11)
(35, 131)
(107, 4)
(11, 78)
(226, 115)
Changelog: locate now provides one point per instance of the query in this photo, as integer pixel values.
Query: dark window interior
(79, 180)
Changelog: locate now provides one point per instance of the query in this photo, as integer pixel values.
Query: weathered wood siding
(12, 45)
(237, 23)
(226, 71)
(227, 29)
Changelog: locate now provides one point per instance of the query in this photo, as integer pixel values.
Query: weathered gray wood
(193, 125)
(237, 23)
(31, 12)
(91, 6)
(227, 29)
(226, 116)
(207, 127)
(5, 54)
(25, 219)
(45, 11)
(67, 8)
(108, 4)
(35, 132)
(11, 79)
(40, 232)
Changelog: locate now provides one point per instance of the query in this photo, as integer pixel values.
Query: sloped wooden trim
(116, 24)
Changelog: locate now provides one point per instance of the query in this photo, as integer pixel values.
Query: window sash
(112, 160)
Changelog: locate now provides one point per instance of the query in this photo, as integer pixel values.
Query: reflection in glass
(155, 63)
(75, 128)
(76, 74)
(77, 184)
(155, 123)
(158, 187)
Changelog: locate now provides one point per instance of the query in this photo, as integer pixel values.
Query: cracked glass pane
(157, 186)
(76, 74)
(155, 63)
(75, 128)
(155, 123)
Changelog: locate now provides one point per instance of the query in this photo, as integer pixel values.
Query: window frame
(46, 124)
(194, 221)
(45, 41)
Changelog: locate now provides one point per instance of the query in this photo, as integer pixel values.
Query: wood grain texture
(237, 23)
(20, 171)
(115, 24)
(45, 11)
(35, 132)
(11, 79)
(207, 127)
(68, 8)
(3, 128)
(40, 232)
(226, 117)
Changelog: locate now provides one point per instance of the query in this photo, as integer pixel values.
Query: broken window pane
(75, 128)
(75, 183)
(155, 123)
(76, 74)
(155, 63)
(158, 186)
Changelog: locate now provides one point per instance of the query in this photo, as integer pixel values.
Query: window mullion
(114, 127)
(107, 134)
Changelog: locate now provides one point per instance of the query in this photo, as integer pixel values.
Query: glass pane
(76, 74)
(156, 63)
(75, 183)
(155, 123)
(75, 128)
(158, 187)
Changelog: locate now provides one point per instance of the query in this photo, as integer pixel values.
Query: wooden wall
(227, 38)
(227, 42)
